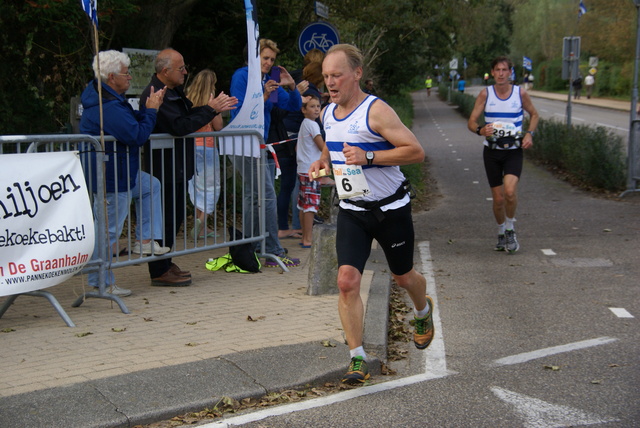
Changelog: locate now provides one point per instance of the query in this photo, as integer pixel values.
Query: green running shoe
(424, 331)
(358, 372)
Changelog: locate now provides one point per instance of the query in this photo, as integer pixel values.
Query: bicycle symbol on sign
(318, 42)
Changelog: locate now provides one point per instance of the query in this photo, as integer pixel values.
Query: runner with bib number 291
(503, 105)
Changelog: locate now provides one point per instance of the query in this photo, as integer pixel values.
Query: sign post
(318, 35)
(453, 66)
(570, 69)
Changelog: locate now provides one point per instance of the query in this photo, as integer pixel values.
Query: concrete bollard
(323, 263)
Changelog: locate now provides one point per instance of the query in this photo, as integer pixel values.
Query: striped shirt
(354, 129)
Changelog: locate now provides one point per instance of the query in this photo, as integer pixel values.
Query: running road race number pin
(350, 181)
(504, 129)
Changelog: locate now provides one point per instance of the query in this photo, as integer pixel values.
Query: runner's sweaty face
(501, 73)
(341, 80)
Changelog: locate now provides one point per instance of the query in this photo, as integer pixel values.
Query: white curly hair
(110, 62)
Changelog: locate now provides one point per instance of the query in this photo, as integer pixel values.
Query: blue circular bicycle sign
(318, 35)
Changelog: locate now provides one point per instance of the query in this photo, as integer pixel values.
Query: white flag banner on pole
(250, 117)
(46, 221)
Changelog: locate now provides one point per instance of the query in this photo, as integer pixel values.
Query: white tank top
(508, 110)
(354, 129)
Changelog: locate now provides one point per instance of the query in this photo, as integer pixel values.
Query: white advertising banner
(250, 116)
(46, 221)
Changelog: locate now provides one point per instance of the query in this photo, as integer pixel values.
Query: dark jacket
(130, 127)
(177, 117)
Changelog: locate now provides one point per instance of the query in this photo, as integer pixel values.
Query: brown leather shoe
(175, 269)
(170, 279)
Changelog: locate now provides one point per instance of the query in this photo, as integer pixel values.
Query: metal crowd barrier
(227, 213)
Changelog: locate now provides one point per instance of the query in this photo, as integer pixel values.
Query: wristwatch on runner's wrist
(478, 130)
(370, 155)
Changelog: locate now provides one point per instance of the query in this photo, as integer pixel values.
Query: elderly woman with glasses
(124, 180)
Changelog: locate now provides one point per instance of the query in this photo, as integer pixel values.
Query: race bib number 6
(504, 129)
(350, 181)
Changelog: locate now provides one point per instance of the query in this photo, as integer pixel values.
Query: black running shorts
(498, 163)
(357, 229)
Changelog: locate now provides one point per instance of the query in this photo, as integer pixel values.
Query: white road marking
(319, 402)
(435, 366)
(435, 357)
(541, 353)
(540, 414)
(621, 313)
(548, 252)
(475, 182)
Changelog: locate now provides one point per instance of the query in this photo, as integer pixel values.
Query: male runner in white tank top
(502, 105)
(365, 143)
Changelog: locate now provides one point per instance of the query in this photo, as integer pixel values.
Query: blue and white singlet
(506, 111)
(354, 129)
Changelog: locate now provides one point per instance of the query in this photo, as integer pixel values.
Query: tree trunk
(162, 20)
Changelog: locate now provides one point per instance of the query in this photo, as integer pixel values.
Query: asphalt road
(546, 337)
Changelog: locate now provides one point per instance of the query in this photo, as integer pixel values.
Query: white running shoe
(145, 249)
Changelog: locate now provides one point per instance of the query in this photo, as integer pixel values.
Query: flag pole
(99, 77)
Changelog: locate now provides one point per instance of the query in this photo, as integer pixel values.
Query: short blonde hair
(354, 56)
(266, 43)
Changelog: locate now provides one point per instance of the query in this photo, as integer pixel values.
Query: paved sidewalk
(180, 349)
(596, 102)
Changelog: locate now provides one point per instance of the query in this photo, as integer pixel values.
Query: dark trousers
(173, 199)
(288, 180)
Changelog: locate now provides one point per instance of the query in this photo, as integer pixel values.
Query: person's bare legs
(306, 220)
(416, 285)
(510, 195)
(350, 306)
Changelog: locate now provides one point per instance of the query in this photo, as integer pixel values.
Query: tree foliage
(48, 44)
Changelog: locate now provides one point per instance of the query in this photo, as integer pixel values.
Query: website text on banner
(46, 229)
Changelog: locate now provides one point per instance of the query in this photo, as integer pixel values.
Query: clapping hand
(155, 99)
(222, 102)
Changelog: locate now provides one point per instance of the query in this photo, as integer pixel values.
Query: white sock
(501, 228)
(358, 352)
(423, 313)
(509, 223)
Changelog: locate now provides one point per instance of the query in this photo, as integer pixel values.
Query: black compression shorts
(498, 163)
(357, 229)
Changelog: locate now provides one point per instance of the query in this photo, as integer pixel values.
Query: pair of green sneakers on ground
(358, 371)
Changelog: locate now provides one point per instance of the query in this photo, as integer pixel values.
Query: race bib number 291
(350, 181)
(504, 129)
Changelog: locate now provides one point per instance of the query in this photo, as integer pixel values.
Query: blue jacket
(130, 127)
(290, 101)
